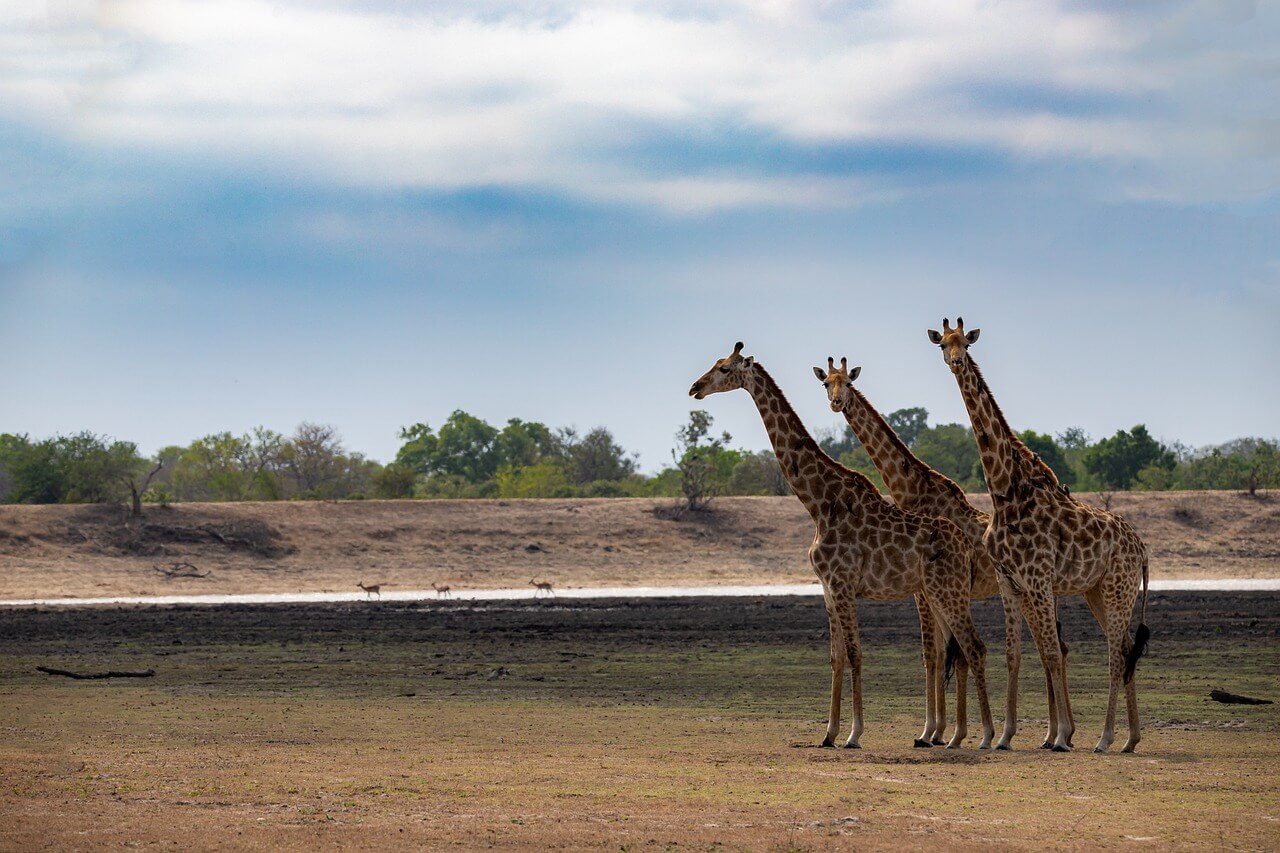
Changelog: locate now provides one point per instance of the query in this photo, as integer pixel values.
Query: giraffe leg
(928, 644)
(1066, 692)
(849, 622)
(961, 663)
(1013, 661)
(1131, 703)
(1098, 607)
(965, 635)
(837, 675)
(939, 682)
(1039, 610)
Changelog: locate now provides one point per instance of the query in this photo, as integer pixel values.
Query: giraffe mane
(856, 479)
(1026, 453)
(901, 446)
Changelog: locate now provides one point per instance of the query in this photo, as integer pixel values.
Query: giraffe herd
(1038, 544)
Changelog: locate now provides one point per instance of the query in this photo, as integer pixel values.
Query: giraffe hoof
(1099, 750)
(1047, 745)
(938, 741)
(1061, 748)
(826, 742)
(852, 744)
(1004, 747)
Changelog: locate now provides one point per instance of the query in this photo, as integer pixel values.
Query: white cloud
(498, 94)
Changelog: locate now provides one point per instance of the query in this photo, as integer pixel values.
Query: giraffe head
(839, 381)
(726, 374)
(954, 342)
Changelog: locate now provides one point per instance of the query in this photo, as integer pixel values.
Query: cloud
(1163, 101)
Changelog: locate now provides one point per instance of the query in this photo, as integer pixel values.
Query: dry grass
(53, 551)
(111, 766)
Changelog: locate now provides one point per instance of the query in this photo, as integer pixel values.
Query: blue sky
(217, 215)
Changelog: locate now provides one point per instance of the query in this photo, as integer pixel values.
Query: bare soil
(88, 551)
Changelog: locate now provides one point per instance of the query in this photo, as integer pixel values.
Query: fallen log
(1235, 699)
(114, 673)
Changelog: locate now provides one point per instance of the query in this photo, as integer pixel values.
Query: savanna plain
(621, 723)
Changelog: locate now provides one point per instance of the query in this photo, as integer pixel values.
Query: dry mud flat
(645, 724)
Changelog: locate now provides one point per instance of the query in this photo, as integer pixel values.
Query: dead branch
(146, 673)
(1235, 699)
(181, 570)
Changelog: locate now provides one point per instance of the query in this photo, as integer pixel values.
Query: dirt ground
(87, 551)
(615, 724)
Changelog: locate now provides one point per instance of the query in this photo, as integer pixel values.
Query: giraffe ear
(853, 374)
(749, 360)
(820, 373)
(973, 336)
(935, 337)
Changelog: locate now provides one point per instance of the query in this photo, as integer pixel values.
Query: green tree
(393, 481)
(594, 457)
(1051, 454)
(698, 459)
(908, 423)
(540, 480)
(31, 469)
(859, 460)
(758, 474)
(951, 450)
(419, 449)
(1116, 461)
(522, 443)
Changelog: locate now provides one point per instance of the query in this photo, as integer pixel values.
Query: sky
(219, 215)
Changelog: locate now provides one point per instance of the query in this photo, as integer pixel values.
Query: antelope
(442, 591)
(542, 586)
(372, 590)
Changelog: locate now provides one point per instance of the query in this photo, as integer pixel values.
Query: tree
(31, 469)
(1051, 454)
(758, 474)
(523, 443)
(908, 423)
(837, 441)
(226, 467)
(314, 461)
(951, 450)
(394, 481)
(1116, 461)
(695, 456)
(465, 447)
(595, 456)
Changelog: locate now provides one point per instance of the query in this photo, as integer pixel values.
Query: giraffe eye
(724, 370)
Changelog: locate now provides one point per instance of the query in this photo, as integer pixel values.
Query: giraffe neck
(902, 472)
(808, 470)
(1005, 458)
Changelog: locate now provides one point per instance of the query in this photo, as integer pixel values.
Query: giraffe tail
(1142, 635)
(949, 665)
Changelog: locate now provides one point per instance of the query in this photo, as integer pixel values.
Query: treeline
(469, 458)
(1130, 459)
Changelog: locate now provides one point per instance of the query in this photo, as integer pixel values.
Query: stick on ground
(146, 673)
(1236, 699)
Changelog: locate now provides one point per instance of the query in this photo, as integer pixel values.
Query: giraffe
(1049, 544)
(863, 545)
(916, 487)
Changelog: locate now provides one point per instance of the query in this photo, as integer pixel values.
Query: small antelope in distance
(442, 591)
(371, 590)
(542, 586)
